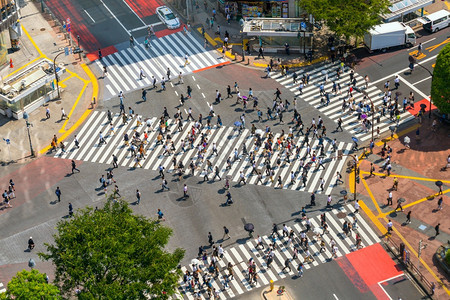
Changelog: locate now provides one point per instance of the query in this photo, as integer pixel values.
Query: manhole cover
(341, 215)
(42, 29)
(74, 63)
(58, 102)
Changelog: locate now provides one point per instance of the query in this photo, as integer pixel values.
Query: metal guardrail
(413, 270)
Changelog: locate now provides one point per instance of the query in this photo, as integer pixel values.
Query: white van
(436, 21)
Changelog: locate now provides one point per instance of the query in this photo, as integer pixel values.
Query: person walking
(389, 227)
(185, 191)
(74, 167)
(436, 228)
(144, 95)
(389, 199)
(70, 209)
(138, 197)
(58, 193)
(63, 114)
(115, 160)
(440, 200)
(226, 233)
(408, 217)
(210, 239)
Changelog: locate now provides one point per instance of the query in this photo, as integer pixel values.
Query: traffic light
(77, 50)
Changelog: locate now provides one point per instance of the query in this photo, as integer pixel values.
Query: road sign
(68, 21)
(68, 27)
(303, 26)
(8, 141)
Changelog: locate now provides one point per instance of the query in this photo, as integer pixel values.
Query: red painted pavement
(64, 9)
(212, 67)
(144, 8)
(167, 31)
(36, 177)
(414, 111)
(105, 51)
(368, 266)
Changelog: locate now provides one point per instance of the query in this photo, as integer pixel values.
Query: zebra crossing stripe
(236, 255)
(226, 138)
(333, 110)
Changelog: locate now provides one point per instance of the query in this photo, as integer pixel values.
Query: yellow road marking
(434, 47)
(371, 196)
(406, 177)
(383, 230)
(65, 79)
(77, 76)
(62, 130)
(397, 135)
(86, 113)
(415, 203)
(372, 217)
(414, 53)
(208, 38)
(32, 42)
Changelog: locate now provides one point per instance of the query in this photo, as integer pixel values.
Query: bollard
(271, 285)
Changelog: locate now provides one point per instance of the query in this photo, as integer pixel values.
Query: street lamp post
(431, 74)
(373, 109)
(56, 74)
(28, 124)
(29, 138)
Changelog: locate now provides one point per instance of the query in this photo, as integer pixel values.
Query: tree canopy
(347, 17)
(440, 93)
(108, 252)
(30, 285)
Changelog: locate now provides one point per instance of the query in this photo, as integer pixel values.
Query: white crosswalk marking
(166, 52)
(227, 139)
(236, 255)
(351, 121)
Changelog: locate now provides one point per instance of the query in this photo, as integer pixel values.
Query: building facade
(8, 21)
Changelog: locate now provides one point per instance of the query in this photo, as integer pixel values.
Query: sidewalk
(234, 52)
(417, 170)
(41, 39)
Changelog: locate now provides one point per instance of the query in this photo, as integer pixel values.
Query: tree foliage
(108, 252)
(440, 91)
(347, 17)
(30, 285)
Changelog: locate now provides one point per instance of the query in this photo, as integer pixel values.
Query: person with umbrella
(399, 204)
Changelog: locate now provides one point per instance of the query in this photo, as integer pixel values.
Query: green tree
(110, 251)
(348, 18)
(440, 93)
(30, 285)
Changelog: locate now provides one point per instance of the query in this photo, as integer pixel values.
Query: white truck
(387, 35)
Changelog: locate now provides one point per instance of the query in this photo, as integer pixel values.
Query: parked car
(435, 21)
(166, 16)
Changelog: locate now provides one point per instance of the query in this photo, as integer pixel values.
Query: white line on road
(146, 26)
(414, 88)
(133, 11)
(402, 70)
(198, 87)
(193, 78)
(421, 80)
(422, 44)
(107, 8)
(335, 297)
(89, 16)
(176, 93)
(203, 95)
